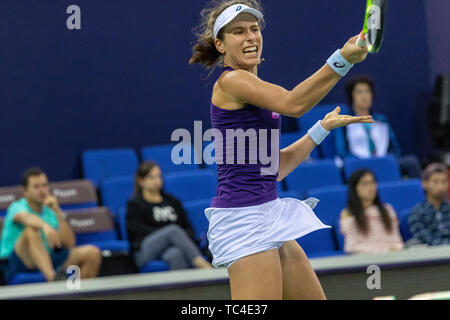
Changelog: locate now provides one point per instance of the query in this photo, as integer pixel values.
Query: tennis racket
(374, 23)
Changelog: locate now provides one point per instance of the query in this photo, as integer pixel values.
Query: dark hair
(350, 86)
(433, 168)
(354, 204)
(204, 50)
(143, 170)
(35, 171)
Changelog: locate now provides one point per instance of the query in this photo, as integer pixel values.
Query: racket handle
(361, 41)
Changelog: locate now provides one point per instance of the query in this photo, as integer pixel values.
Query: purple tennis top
(246, 178)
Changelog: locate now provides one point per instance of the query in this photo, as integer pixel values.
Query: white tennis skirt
(235, 233)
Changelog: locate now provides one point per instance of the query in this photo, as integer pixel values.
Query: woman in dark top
(157, 225)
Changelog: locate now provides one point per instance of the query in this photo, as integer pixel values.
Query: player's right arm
(247, 88)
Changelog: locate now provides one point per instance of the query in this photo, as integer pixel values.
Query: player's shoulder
(345, 214)
(235, 77)
(19, 204)
(16, 207)
(422, 207)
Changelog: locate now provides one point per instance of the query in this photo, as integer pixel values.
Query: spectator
(365, 140)
(157, 224)
(368, 226)
(36, 236)
(429, 222)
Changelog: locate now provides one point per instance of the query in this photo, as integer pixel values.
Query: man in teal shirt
(36, 236)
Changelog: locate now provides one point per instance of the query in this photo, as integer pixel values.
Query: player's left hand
(335, 120)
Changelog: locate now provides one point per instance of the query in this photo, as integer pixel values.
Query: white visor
(232, 12)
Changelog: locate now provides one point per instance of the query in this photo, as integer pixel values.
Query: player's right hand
(354, 53)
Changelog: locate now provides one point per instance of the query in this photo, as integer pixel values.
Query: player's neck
(361, 112)
(36, 207)
(366, 204)
(152, 196)
(435, 202)
(251, 69)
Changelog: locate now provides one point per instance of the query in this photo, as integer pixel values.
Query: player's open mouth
(251, 51)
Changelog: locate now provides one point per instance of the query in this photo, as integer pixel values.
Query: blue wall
(124, 78)
(438, 30)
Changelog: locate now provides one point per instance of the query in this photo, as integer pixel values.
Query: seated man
(36, 236)
(429, 222)
(365, 140)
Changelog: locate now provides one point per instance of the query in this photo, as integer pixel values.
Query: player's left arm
(66, 234)
(292, 156)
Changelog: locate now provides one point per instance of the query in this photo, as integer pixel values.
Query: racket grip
(361, 41)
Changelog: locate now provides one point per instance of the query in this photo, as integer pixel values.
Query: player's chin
(251, 62)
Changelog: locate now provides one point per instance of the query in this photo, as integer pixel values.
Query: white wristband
(339, 64)
(318, 133)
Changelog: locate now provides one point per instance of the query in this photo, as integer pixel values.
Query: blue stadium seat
(162, 154)
(122, 223)
(337, 233)
(313, 175)
(26, 278)
(116, 192)
(306, 121)
(289, 194)
(325, 254)
(191, 185)
(327, 148)
(96, 226)
(151, 266)
(196, 215)
(332, 201)
(208, 149)
(384, 168)
(154, 266)
(402, 194)
(281, 186)
(403, 222)
(101, 164)
(104, 240)
(320, 243)
(289, 138)
(75, 194)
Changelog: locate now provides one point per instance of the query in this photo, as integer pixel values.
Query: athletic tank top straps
(247, 155)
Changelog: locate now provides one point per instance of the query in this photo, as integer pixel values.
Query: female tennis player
(251, 231)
